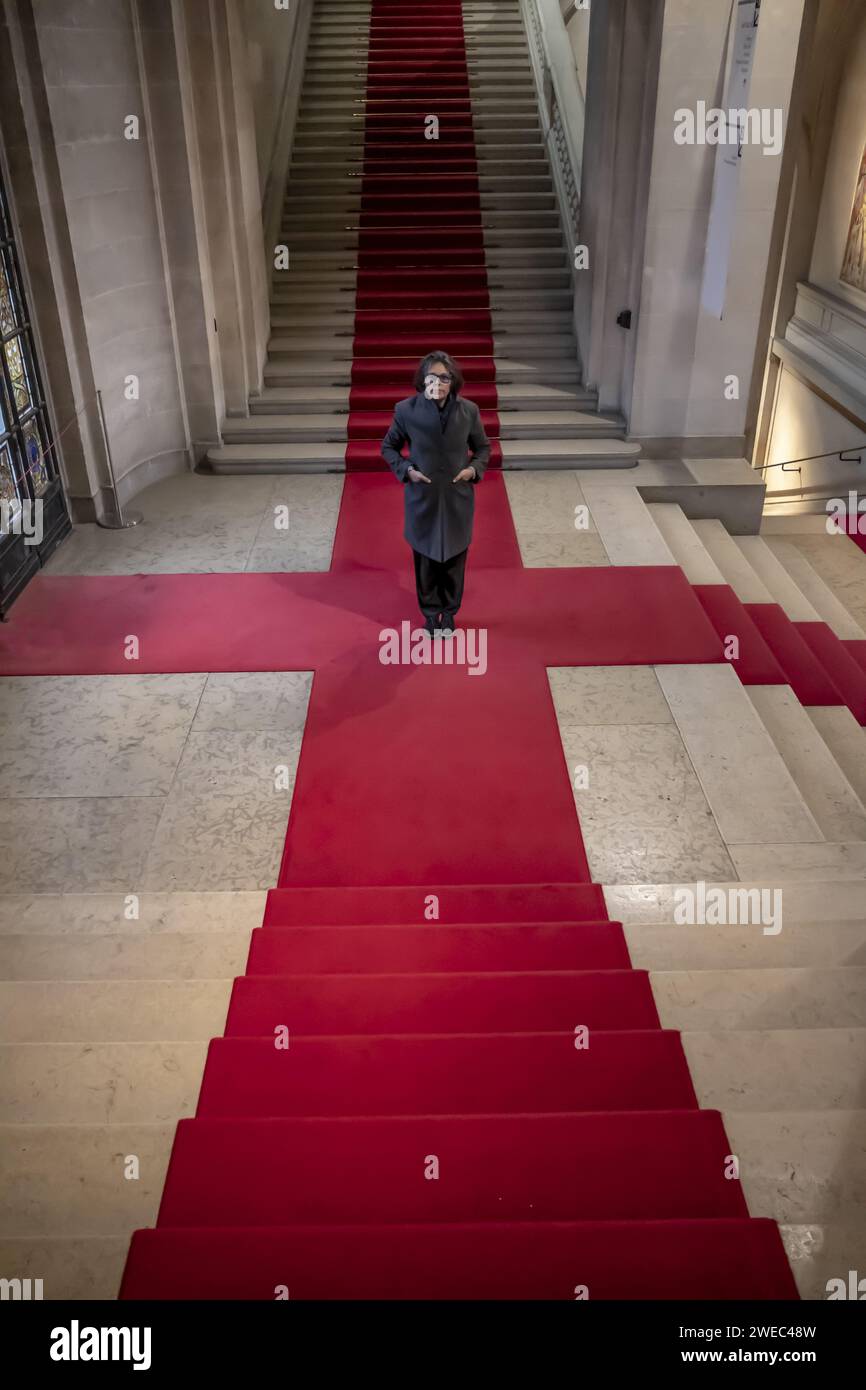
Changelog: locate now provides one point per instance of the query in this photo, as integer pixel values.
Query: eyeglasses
(438, 376)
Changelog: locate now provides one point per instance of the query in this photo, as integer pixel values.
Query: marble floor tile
(544, 507)
(643, 814)
(299, 554)
(548, 503)
(577, 549)
(68, 1180)
(75, 844)
(112, 1010)
(622, 854)
(94, 914)
(585, 695)
(100, 1083)
(249, 700)
(245, 762)
(210, 842)
(93, 736)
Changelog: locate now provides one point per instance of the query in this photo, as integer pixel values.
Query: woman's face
(437, 382)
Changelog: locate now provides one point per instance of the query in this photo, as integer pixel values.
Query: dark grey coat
(438, 514)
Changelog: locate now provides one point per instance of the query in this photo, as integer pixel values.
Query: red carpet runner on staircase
(422, 278)
(476, 1099)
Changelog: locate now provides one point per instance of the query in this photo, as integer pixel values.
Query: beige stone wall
(139, 137)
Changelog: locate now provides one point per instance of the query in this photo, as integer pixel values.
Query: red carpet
(440, 1078)
(686, 1259)
(422, 280)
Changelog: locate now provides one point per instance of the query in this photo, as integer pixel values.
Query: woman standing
(442, 430)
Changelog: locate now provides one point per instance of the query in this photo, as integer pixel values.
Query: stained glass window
(28, 466)
(8, 490)
(7, 312)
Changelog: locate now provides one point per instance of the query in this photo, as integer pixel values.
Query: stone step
(523, 279)
(317, 321)
(503, 238)
(316, 205)
(100, 1083)
(511, 371)
(626, 526)
(144, 956)
(526, 424)
(497, 154)
(664, 946)
(498, 258)
(311, 399)
(315, 457)
(83, 914)
(321, 98)
(74, 1267)
(815, 590)
(800, 1069)
(846, 740)
(84, 1011)
(338, 344)
(306, 297)
(311, 184)
(822, 1254)
(804, 901)
(750, 791)
(494, 138)
(821, 860)
(474, 170)
(764, 998)
(68, 1180)
(775, 577)
(826, 790)
(298, 229)
(801, 1167)
(794, 1166)
(733, 564)
(685, 544)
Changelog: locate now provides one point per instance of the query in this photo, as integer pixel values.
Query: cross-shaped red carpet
(415, 1044)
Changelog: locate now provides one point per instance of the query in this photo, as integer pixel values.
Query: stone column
(684, 355)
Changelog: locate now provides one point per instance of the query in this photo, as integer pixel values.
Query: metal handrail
(789, 464)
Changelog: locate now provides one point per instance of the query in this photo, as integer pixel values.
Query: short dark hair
(447, 361)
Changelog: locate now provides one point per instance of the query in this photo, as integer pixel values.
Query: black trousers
(439, 584)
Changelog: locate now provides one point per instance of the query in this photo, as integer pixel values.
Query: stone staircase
(106, 1022)
(299, 420)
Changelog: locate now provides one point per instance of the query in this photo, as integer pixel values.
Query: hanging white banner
(731, 136)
